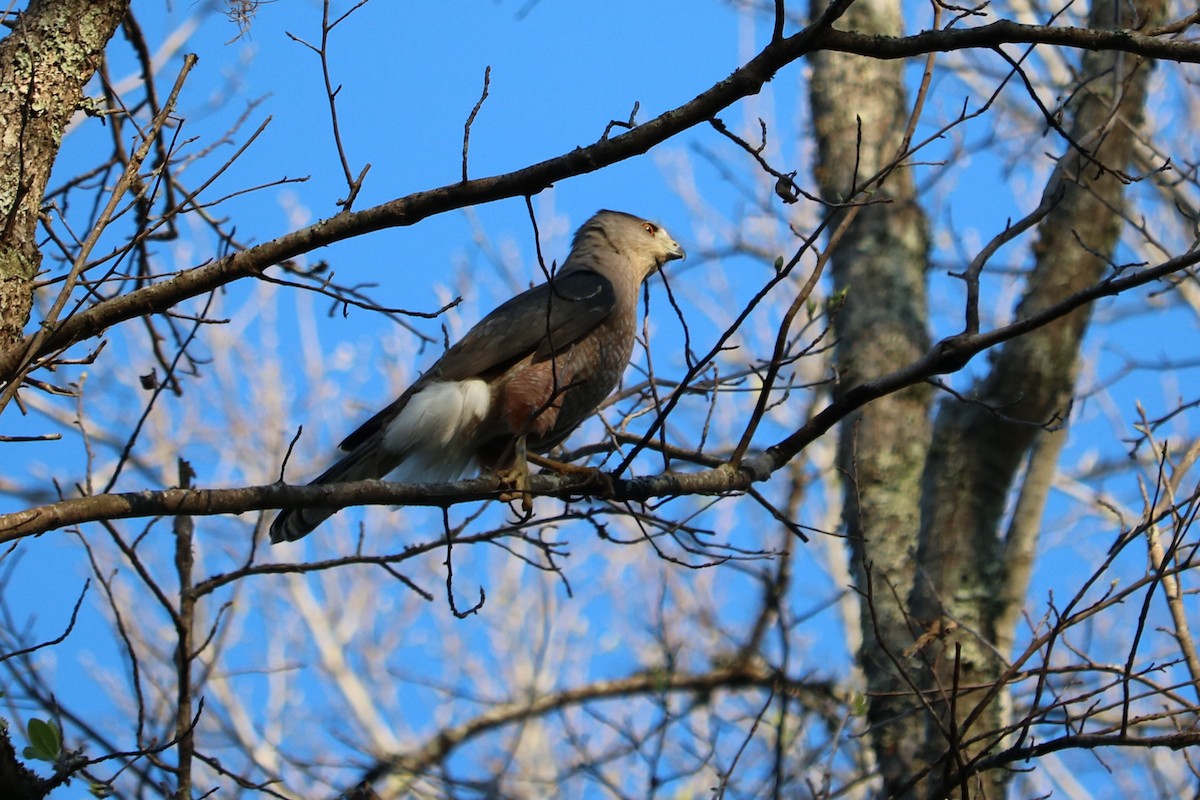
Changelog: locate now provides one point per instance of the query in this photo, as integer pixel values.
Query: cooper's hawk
(523, 378)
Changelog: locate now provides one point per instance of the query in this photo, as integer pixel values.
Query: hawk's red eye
(650, 228)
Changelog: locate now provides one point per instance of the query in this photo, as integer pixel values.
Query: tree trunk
(941, 497)
(860, 109)
(979, 448)
(16, 781)
(54, 49)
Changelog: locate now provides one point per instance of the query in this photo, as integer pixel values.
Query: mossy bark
(53, 50)
(860, 108)
(925, 503)
(978, 453)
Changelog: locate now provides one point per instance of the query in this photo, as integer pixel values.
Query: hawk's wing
(534, 324)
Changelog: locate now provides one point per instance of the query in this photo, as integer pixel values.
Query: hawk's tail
(429, 439)
(295, 523)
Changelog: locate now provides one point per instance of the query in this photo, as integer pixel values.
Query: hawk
(521, 380)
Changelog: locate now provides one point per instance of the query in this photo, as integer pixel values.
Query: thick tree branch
(948, 355)
(746, 81)
(419, 762)
(1151, 44)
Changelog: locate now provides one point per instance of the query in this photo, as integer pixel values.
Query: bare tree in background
(825, 454)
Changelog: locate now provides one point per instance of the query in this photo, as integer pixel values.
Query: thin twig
(487, 79)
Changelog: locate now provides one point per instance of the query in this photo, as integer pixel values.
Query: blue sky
(410, 75)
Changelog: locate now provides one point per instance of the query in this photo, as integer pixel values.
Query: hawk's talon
(516, 479)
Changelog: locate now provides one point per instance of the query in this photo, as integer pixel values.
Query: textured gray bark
(53, 50)
(880, 263)
(977, 453)
(942, 497)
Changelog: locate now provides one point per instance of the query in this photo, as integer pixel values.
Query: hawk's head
(615, 241)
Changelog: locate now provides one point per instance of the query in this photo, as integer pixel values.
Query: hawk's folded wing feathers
(535, 324)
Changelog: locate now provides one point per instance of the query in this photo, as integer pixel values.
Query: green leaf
(44, 739)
